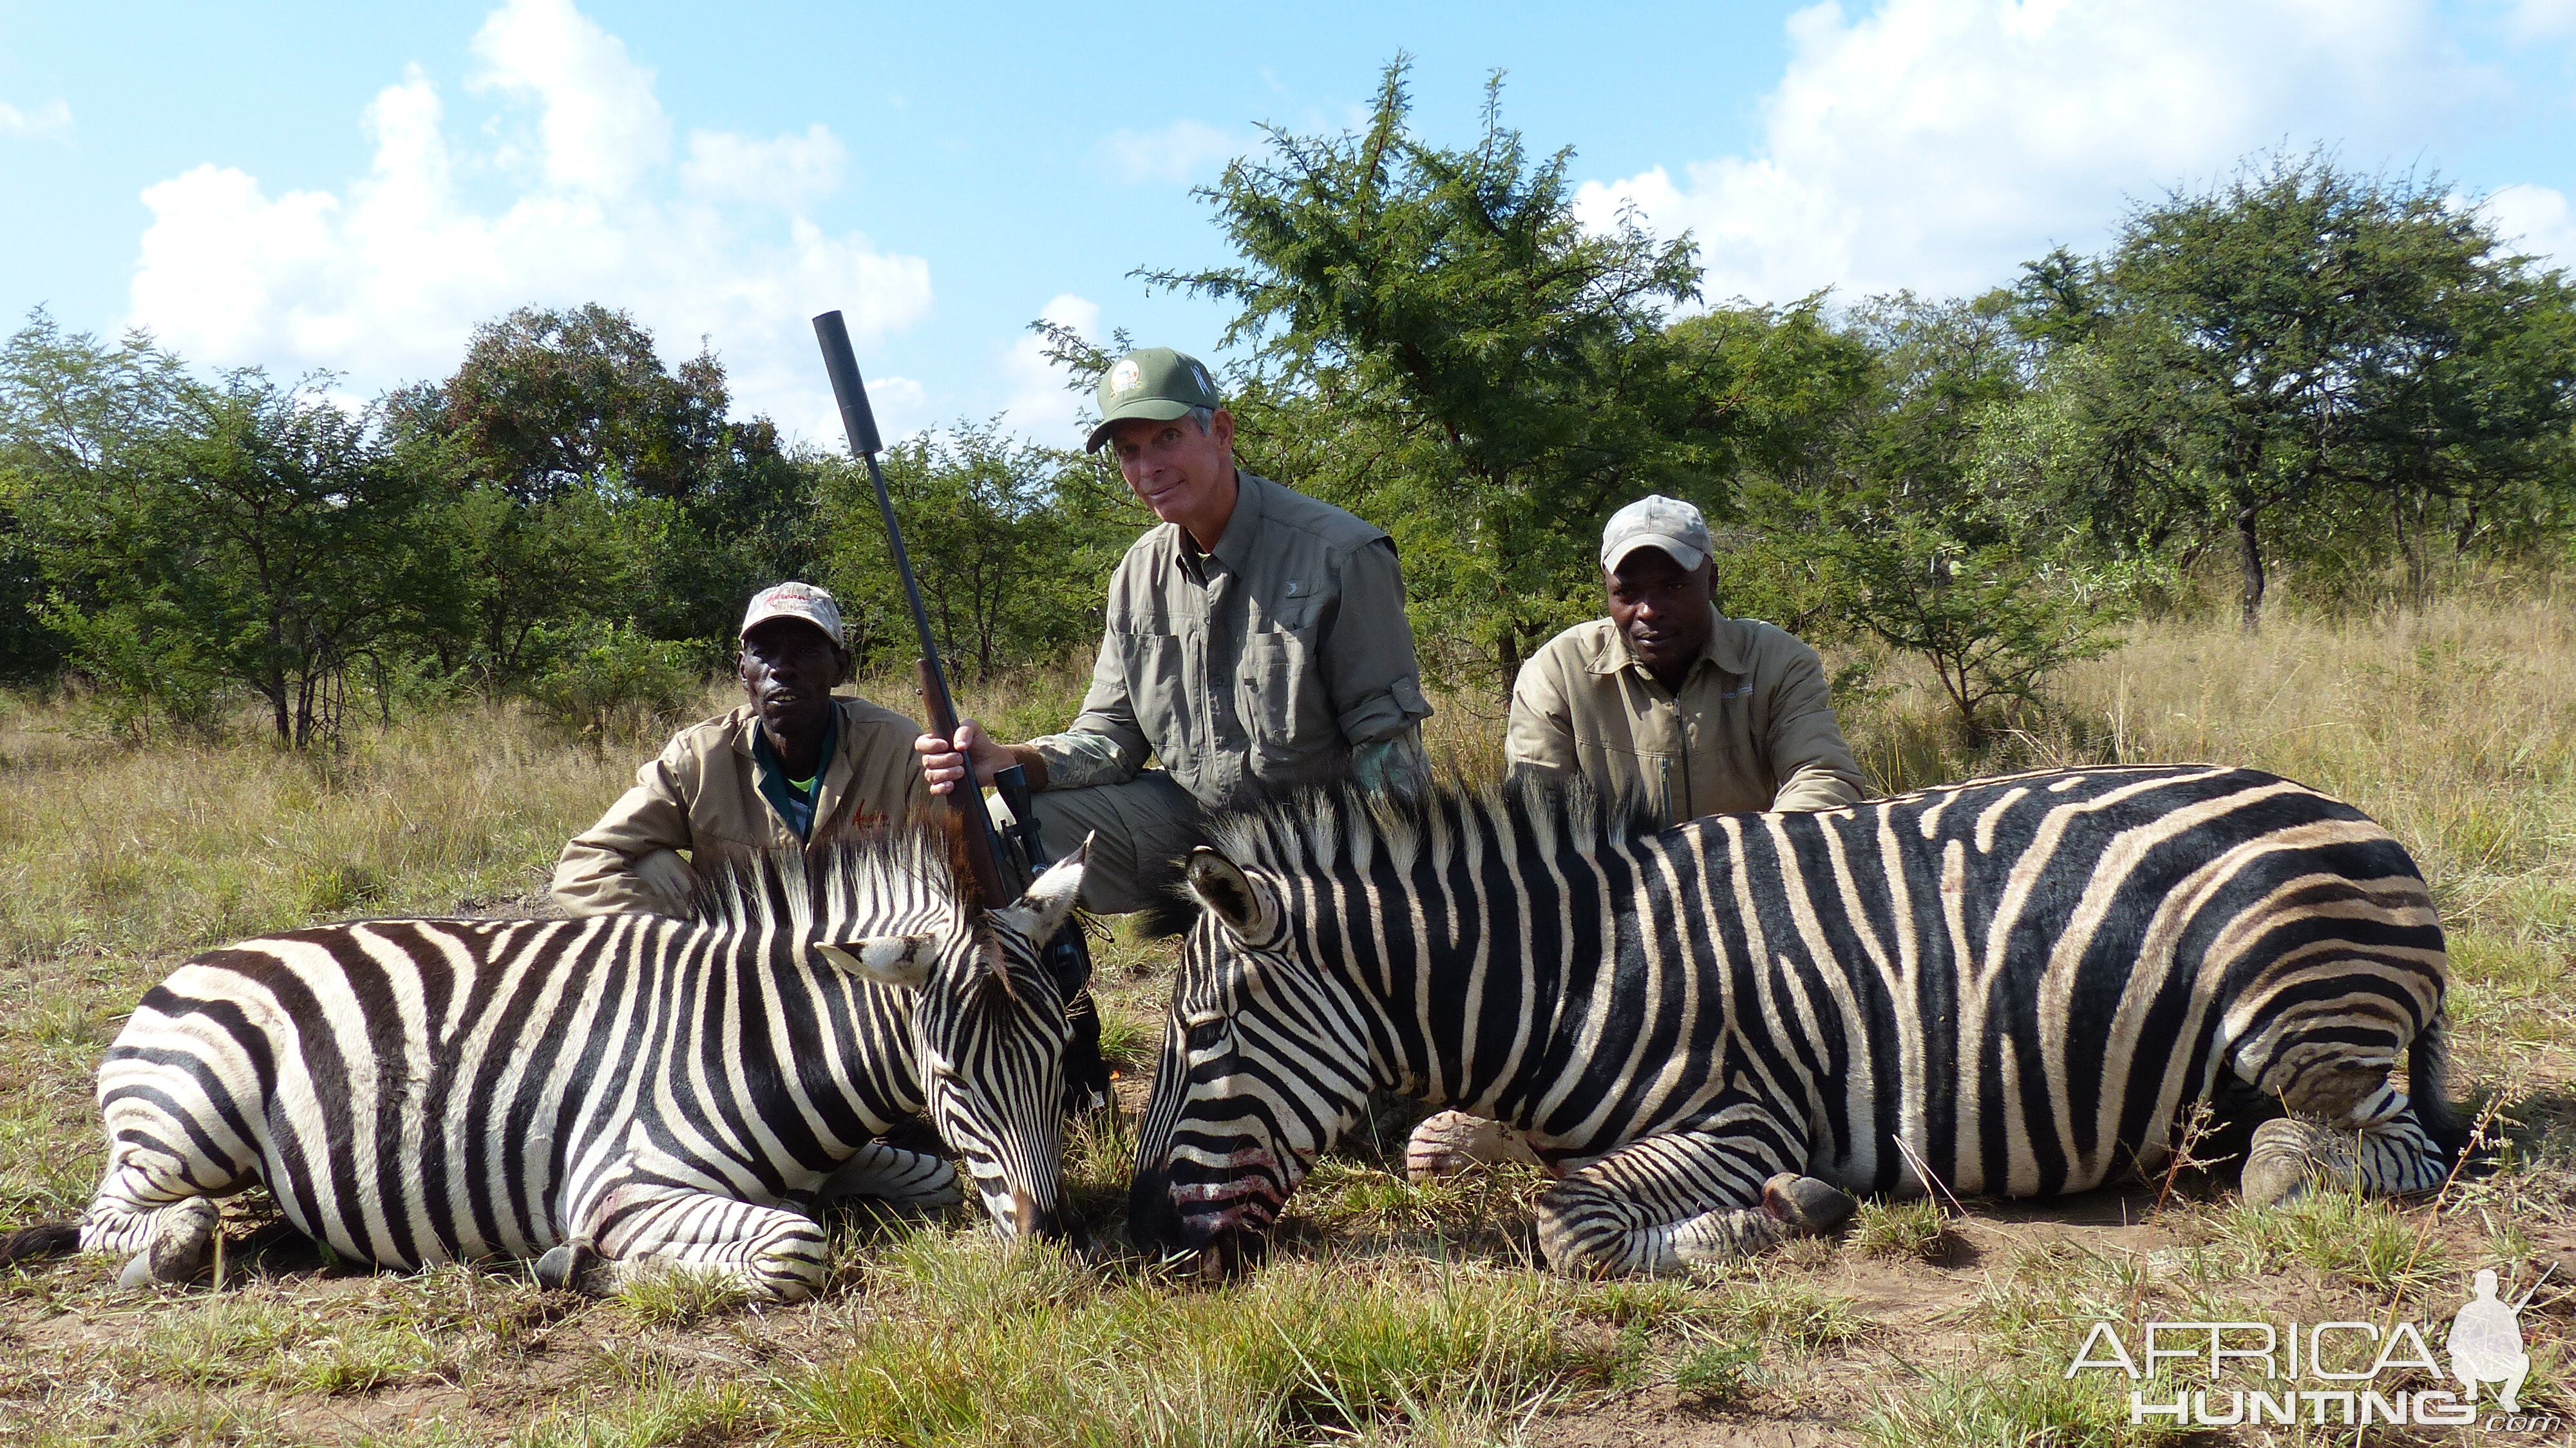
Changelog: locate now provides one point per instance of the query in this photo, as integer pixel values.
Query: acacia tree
(591, 485)
(2312, 338)
(254, 532)
(1927, 532)
(1442, 347)
(1011, 549)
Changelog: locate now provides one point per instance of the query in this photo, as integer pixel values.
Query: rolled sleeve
(1371, 675)
(608, 868)
(1808, 756)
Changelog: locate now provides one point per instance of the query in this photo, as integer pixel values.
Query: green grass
(2032, 1408)
(2368, 1242)
(1389, 1311)
(1917, 1229)
(979, 1343)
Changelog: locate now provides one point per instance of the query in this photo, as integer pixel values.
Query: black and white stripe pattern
(1705, 1031)
(623, 1090)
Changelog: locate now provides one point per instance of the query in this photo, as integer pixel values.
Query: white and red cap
(795, 600)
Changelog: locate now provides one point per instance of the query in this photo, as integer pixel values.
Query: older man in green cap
(1255, 640)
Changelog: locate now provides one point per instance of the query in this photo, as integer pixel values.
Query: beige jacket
(703, 793)
(1262, 660)
(1751, 728)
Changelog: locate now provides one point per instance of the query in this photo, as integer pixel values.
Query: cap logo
(1206, 384)
(1126, 377)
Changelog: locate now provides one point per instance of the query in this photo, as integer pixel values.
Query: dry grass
(1390, 1311)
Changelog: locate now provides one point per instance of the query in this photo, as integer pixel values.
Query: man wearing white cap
(1671, 702)
(793, 766)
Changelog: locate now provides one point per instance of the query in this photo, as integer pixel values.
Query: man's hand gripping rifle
(999, 875)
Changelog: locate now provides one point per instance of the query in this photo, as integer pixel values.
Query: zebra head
(988, 1034)
(1262, 1067)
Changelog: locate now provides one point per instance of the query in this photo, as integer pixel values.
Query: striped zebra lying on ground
(1712, 1033)
(611, 1092)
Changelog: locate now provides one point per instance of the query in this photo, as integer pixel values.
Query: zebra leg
(2349, 1128)
(771, 1253)
(164, 1227)
(1448, 1142)
(909, 1179)
(2292, 1155)
(1659, 1205)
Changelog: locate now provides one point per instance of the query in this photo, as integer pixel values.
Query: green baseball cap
(1153, 382)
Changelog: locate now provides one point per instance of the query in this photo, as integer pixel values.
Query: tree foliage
(1439, 344)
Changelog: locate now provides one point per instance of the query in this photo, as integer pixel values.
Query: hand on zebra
(944, 763)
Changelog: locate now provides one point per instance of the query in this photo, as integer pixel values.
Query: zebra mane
(1319, 828)
(918, 860)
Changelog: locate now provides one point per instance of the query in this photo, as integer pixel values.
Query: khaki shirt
(1263, 660)
(703, 793)
(1752, 727)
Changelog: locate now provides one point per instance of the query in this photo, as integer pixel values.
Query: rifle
(1068, 956)
(966, 801)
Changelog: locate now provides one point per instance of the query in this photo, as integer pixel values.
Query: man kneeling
(790, 768)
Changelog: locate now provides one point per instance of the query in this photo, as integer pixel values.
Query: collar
(1233, 546)
(752, 744)
(1728, 648)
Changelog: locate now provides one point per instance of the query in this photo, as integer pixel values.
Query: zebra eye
(1213, 1034)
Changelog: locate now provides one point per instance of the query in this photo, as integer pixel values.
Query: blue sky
(353, 188)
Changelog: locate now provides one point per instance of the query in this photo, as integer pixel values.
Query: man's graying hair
(1205, 417)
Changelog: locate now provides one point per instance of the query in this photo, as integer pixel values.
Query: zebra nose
(1028, 1219)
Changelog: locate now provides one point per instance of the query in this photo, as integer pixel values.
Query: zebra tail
(53, 1239)
(2428, 1071)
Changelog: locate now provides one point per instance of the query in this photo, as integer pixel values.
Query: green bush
(609, 681)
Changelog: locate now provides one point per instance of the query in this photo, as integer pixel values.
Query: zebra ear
(1221, 886)
(1042, 911)
(896, 960)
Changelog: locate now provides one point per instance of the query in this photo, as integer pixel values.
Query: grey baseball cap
(1655, 521)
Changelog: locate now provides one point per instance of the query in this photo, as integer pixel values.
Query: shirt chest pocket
(1153, 665)
(1287, 709)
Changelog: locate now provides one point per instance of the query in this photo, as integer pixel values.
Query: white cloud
(44, 120)
(385, 280)
(600, 127)
(2543, 18)
(1182, 151)
(1935, 144)
(2536, 220)
(1039, 406)
(786, 171)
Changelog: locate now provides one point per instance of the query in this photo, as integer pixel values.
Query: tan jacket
(703, 793)
(1264, 659)
(1752, 727)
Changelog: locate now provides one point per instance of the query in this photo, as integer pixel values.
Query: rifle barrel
(966, 801)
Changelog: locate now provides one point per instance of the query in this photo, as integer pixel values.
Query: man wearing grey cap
(1255, 640)
(793, 766)
(1669, 701)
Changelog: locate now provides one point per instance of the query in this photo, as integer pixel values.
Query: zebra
(613, 1095)
(1713, 1034)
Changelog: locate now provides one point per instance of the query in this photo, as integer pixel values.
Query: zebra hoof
(2285, 1160)
(572, 1265)
(181, 1248)
(1449, 1142)
(1805, 1204)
